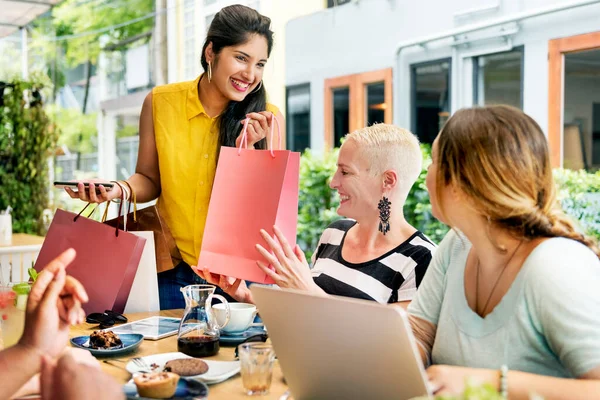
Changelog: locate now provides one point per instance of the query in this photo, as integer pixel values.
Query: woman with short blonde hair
(374, 254)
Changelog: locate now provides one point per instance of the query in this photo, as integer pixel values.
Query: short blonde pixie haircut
(390, 147)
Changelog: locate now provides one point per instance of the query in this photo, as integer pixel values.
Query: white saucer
(218, 371)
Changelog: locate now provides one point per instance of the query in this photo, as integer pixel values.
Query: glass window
(209, 2)
(341, 114)
(127, 143)
(499, 79)
(581, 140)
(376, 105)
(430, 98)
(298, 117)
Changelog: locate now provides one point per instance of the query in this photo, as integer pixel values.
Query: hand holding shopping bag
(253, 190)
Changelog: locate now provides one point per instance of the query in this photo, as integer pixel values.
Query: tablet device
(152, 328)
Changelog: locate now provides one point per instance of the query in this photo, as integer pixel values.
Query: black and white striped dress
(392, 277)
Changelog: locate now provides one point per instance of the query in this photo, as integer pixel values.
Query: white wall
(364, 36)
(280, 13)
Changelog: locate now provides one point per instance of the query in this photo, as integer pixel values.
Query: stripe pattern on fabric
(390, 278)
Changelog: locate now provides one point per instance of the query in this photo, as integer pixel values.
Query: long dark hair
(232, 26)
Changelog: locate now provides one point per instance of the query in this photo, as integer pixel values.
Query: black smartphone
(73, 185)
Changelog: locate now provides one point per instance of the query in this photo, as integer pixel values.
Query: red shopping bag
(253, 190)
(106, 262)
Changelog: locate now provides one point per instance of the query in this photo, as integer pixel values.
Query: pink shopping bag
(106, 262)
(253, 190)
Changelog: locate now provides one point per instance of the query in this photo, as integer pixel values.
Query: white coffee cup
(5, 229)
(241, 316)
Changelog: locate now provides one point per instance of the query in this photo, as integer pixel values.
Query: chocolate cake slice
(105, 340)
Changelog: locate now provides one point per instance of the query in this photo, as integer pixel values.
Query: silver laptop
(341, 348)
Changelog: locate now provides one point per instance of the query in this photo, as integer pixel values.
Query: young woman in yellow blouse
(182, 127)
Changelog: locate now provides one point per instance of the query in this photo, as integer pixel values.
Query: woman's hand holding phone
(92, 190)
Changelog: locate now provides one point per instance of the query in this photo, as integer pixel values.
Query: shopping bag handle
(105, 211)
(132, 199)
(83, 209)
(120, 209)
(244, 140)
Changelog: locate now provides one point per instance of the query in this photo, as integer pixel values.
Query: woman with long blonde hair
(511, 296)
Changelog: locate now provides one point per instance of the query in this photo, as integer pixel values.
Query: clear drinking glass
(13, 301)
(256, 361)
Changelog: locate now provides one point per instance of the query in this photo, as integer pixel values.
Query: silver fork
(111, 362)
(141, 364)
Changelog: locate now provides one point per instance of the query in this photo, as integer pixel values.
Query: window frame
(413, 88)
(356, 83)
(289, 139)
(476, 71)
(557, 49)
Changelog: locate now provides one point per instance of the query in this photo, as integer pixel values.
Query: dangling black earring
(384, 215)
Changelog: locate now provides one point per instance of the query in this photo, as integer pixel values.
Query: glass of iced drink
(13, 301)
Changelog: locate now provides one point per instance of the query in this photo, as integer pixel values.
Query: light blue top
(548, 322)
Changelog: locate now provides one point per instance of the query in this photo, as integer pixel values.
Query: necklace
(495, 283)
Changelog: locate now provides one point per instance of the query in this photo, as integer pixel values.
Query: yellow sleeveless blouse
(186, 142)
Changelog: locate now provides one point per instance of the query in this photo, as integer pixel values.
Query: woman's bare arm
(146, 180)
(424, 332)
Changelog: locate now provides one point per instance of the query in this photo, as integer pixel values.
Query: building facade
(416, 63)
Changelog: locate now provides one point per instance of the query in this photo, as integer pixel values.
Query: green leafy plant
(417, 209)
(33, 274)
(89, 28)
(472, 392)
(27, 139)
(77, 131)
(317, 203)
(579, 195)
